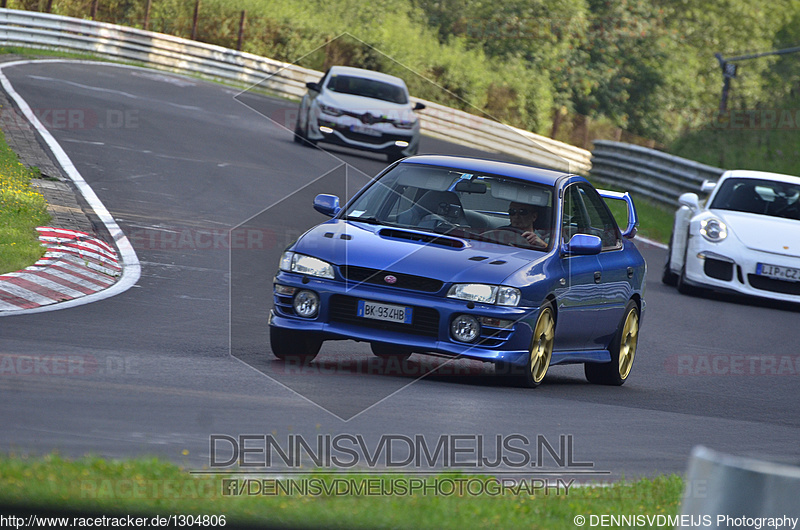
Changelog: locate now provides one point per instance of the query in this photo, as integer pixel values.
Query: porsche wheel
(541, 347)
(293, 346)
(623, 351)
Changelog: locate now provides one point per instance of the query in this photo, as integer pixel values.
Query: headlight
(404, 124)
(713, 229)
(487, 294)
(332, 111)
(303, 264)
(508, 296)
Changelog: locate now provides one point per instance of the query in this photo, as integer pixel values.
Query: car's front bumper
(383, 137)
(429, 332)
(728, 266)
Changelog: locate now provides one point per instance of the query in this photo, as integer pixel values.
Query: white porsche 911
(745, 238)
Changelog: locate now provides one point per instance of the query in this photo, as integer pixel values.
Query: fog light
(306, 304)
(401, 143)
(326, 130)
(465, 328)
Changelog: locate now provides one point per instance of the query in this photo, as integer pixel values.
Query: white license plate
(369, 131)
(778, 272)
(388, 312)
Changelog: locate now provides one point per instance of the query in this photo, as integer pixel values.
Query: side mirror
(583, 245)
(313, 86)
(690, 200)
(327, 204)
(708, 186)
(419, 106)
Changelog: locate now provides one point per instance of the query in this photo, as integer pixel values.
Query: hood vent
(422, 237)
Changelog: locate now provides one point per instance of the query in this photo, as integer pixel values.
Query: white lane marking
(131, 268)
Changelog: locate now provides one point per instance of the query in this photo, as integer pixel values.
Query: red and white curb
(75, 264)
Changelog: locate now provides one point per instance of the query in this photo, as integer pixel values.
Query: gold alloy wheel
(542, 348)
(628, 342)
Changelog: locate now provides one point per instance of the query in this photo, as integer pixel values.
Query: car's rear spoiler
(633, 217)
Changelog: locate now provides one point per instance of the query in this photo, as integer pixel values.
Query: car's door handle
(597, 277)
(630, 272)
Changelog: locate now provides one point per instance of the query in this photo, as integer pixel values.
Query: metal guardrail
(41, 30)
(725, 491)
(658, 176)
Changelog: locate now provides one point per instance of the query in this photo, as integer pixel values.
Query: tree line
(571, 69)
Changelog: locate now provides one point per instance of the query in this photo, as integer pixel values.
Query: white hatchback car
(745, 238)
(360, 109)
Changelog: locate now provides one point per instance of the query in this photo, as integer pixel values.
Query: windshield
(451, 201)
(764, 197)
(370, 88)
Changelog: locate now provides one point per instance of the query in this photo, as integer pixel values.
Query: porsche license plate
(779, 273)
(388, 312)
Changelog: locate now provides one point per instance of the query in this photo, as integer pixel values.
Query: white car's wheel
(667, 276)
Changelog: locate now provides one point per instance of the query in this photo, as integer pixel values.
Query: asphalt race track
(184, 354)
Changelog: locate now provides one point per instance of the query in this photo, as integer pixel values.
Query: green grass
(22, 209)
(152, 486)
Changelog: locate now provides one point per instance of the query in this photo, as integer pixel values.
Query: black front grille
(770, 284)
(369, 139)
(721, 270)
(424, 320)
(403, 281)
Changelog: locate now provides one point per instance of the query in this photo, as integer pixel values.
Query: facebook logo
(230, 487)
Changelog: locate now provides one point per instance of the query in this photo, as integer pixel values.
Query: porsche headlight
(713, 230)
(302, 264)
(486, 294)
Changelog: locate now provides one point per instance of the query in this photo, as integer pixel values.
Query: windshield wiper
(369, 220)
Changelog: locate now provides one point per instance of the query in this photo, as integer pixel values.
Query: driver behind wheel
(523, 217)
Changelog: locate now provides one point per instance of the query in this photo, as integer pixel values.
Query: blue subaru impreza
(505, 263)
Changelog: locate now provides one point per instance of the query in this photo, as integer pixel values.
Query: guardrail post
(195, 18)
(240, 40)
